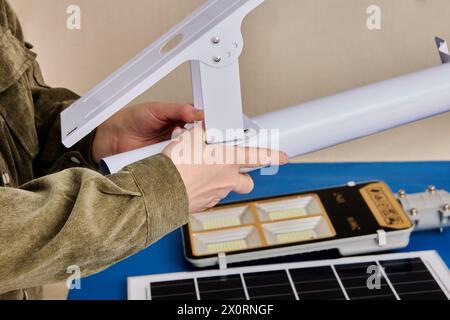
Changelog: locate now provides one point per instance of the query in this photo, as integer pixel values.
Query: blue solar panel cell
(316, 284)
(221, 288)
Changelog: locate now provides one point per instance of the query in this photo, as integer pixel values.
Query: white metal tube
(346, 116)
(361, 112)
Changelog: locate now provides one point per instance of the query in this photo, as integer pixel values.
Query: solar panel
(409, 276)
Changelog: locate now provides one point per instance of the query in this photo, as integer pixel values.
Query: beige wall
(296, 50)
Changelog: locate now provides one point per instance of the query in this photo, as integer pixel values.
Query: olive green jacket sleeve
(55, 211)
(78, 217)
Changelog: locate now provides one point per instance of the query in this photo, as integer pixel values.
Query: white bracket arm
(210, 38)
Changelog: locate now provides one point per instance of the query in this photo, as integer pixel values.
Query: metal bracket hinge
(443, 50)
(222, 262)
(382, 238)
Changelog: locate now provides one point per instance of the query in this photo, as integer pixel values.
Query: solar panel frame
(140, 288)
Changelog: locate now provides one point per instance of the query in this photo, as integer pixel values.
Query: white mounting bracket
(210, 39)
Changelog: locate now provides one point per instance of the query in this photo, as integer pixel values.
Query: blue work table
(166, 256)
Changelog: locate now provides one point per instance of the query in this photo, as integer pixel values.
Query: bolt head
(414, 212)
(446, 207)
(217, 59)
(402, 193)
(432, 189)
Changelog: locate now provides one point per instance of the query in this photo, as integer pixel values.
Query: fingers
(177, 112)
(221, 154)
(259, 157)
(244, 184)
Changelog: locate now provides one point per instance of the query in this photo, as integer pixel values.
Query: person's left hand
(140, 126)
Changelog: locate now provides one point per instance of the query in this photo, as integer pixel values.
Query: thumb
(177, 132)
(244, 184)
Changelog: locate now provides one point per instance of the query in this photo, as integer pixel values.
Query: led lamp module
(354, 219)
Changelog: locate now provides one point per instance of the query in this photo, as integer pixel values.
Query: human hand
(140, 126)
(211, 172)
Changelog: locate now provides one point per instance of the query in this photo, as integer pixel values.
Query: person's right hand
(208, 176)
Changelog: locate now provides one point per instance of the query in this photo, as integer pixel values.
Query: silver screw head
(432, 189)
(414, 212)
(446, 207)
(215, 40)
(402, 193)
(217, 59)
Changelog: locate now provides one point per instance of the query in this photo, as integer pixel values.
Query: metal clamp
(427, 210)
(443, 50)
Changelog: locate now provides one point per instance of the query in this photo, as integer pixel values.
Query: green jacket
(56, 210)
